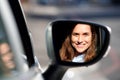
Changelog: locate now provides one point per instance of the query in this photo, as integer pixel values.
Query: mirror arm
(55, 72)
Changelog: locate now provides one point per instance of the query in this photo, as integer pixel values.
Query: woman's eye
(86, 34)
(75, 34)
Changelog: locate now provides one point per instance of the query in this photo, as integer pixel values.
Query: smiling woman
(79, 45)
(76, 42)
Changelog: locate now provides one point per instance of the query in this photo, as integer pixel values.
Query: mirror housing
(57, 31)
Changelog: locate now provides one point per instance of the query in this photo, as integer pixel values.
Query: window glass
(7, 63)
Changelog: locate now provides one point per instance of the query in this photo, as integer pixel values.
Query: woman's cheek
(74, 39)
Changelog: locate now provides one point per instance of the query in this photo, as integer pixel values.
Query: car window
(13, 63)
(7, 62)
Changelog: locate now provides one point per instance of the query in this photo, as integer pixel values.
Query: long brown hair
(67, 52)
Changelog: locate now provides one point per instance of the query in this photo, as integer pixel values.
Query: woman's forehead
(82, 28)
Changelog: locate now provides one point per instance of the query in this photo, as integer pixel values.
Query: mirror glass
(78, 41)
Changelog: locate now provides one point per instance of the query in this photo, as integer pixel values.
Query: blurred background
(39, 13)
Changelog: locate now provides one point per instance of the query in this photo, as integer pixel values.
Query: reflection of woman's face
(7, 56)
(81, 37)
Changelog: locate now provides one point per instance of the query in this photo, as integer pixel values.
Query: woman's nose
(80, 39)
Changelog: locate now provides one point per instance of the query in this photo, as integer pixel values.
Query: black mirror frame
(55, 57)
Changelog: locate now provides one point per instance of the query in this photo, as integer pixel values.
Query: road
(107, 69)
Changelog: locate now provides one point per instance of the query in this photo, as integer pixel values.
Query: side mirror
(76, 43)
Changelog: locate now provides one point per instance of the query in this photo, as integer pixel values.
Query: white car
(17, 60)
